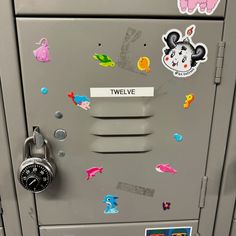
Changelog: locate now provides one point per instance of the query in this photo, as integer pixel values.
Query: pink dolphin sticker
(93, 171)
(42, 53)
(203, 6)
(165, 168)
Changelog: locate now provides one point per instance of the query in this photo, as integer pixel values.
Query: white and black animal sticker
(180, 54)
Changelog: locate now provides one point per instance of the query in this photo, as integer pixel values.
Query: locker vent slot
(121, 126)
(123, 144)
(122, 108)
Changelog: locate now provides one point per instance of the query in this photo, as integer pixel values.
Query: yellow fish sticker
(143, 64)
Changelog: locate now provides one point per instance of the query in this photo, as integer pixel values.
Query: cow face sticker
(180, 54)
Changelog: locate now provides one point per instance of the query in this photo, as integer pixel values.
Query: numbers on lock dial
(35, 177)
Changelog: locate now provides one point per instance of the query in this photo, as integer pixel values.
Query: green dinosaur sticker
(104, 60)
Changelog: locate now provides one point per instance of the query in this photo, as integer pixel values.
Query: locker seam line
(225, 154)
(10, 156)
(121, 17)
(23, 100)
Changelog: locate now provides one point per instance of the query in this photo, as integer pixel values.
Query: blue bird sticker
(111, 204)
(178, 137)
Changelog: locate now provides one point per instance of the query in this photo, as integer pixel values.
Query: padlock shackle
(29, 141)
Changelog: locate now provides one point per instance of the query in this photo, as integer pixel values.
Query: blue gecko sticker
(111, 204)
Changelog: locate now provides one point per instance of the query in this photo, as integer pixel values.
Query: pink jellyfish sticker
(42, 53)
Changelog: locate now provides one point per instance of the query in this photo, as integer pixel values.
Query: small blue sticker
(44, 90)
(111, 204)
(178, 137)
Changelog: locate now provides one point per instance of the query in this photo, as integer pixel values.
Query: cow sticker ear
(180, 55)
(190, 7)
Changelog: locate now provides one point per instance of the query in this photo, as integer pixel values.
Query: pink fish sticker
(165, 168)
(93, 171)
(42, 53)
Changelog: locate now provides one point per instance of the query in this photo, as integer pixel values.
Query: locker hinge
(219, 62)
(203, 192)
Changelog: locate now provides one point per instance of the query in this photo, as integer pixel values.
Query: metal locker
(73, 69)
(214, 8)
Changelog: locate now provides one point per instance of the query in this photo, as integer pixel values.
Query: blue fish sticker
(111, 204)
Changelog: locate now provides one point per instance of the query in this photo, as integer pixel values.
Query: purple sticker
(166, 206)
(42, 53)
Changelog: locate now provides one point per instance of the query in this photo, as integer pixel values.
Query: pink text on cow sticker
(203, 6)
(42, 53)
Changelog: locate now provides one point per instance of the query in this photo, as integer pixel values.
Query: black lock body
(36, 173)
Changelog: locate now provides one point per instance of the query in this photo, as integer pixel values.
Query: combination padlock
(36, 173)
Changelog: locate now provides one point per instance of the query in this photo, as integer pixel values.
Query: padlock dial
(35, 177)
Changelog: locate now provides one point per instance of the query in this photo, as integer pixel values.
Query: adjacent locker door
(127, 136)
(226, 215)
(205, 8)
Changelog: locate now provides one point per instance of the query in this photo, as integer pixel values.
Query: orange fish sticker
(189, 99)
(143, 64)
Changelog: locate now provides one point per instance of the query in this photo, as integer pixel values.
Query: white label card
(122, 92)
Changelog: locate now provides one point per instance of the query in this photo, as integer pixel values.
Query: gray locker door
(121, 7)
(146, 126)
(1, 232)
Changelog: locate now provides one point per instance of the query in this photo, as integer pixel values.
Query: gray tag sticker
(149, 192)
